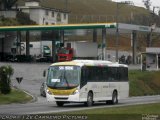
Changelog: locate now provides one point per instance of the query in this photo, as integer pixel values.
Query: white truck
(42, 48)
(78, 50)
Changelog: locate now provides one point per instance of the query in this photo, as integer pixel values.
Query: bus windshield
(63, 77)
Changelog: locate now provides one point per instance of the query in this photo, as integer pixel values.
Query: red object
(65, 54)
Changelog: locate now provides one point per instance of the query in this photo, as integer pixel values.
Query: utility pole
(152, 25)
(117, 31)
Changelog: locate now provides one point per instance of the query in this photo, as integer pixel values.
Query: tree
(5, 79)
(24, 19)
(159, 13)
(7, 4)
(8, 21)
(147, 4)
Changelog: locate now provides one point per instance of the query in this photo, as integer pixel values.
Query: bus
(87, 81)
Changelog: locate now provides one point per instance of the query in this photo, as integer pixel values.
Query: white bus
(87, 81)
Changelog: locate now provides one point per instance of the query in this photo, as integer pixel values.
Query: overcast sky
(140, 3)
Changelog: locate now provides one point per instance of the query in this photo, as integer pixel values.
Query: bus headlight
(49, 92)
(75, 92)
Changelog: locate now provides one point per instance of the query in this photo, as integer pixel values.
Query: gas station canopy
(123, 28)
(58, 27)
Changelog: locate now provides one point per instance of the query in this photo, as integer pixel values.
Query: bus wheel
(89, 99)
(114, 98)
(59, 103)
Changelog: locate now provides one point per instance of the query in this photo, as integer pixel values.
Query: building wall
(44, 16)
(33, 3)
(51, 17)
(25, 10)
(34, 15)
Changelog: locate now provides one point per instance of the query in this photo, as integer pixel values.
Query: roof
(44, 8)
(58, 27)
(48, 4)
(90, 63)
(151, 53)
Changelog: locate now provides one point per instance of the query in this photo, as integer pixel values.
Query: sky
(140, 3)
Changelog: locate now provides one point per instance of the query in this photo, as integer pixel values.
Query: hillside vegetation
(144, 83)
(93, 10)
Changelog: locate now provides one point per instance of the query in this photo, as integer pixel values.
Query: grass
(136, 109)
(16, 96)
(120, 113)
(144, 83)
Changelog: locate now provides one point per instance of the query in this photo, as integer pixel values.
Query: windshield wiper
(66, 79)
(60, 77)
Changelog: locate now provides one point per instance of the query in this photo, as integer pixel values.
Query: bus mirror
(44, 73)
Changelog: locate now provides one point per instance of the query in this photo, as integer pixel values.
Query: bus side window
(105, 74)
(110, 78)
(112, 73)
(83, 77)
(119, 73)
(126, 74)
(123, 74)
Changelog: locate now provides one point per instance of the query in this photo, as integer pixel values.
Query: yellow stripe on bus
(62, 92)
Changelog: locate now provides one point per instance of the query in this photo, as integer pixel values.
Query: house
(39, 13)
(44, 15)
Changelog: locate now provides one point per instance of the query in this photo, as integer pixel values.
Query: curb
(34, 98)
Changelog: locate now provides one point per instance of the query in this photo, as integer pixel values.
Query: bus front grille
(61, 98)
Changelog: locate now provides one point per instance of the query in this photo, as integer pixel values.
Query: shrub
(5, 79)
(24, 19)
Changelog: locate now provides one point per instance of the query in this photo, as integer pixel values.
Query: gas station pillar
(104, 43)
(134, 46)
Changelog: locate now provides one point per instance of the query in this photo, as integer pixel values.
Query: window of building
(64, 16)
(47, 12)
(58, 17)
(52, 13)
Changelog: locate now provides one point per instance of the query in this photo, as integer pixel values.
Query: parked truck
(78, 50)
(39, 51)
(42, 48)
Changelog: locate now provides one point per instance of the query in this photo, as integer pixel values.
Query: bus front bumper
(64, 98)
